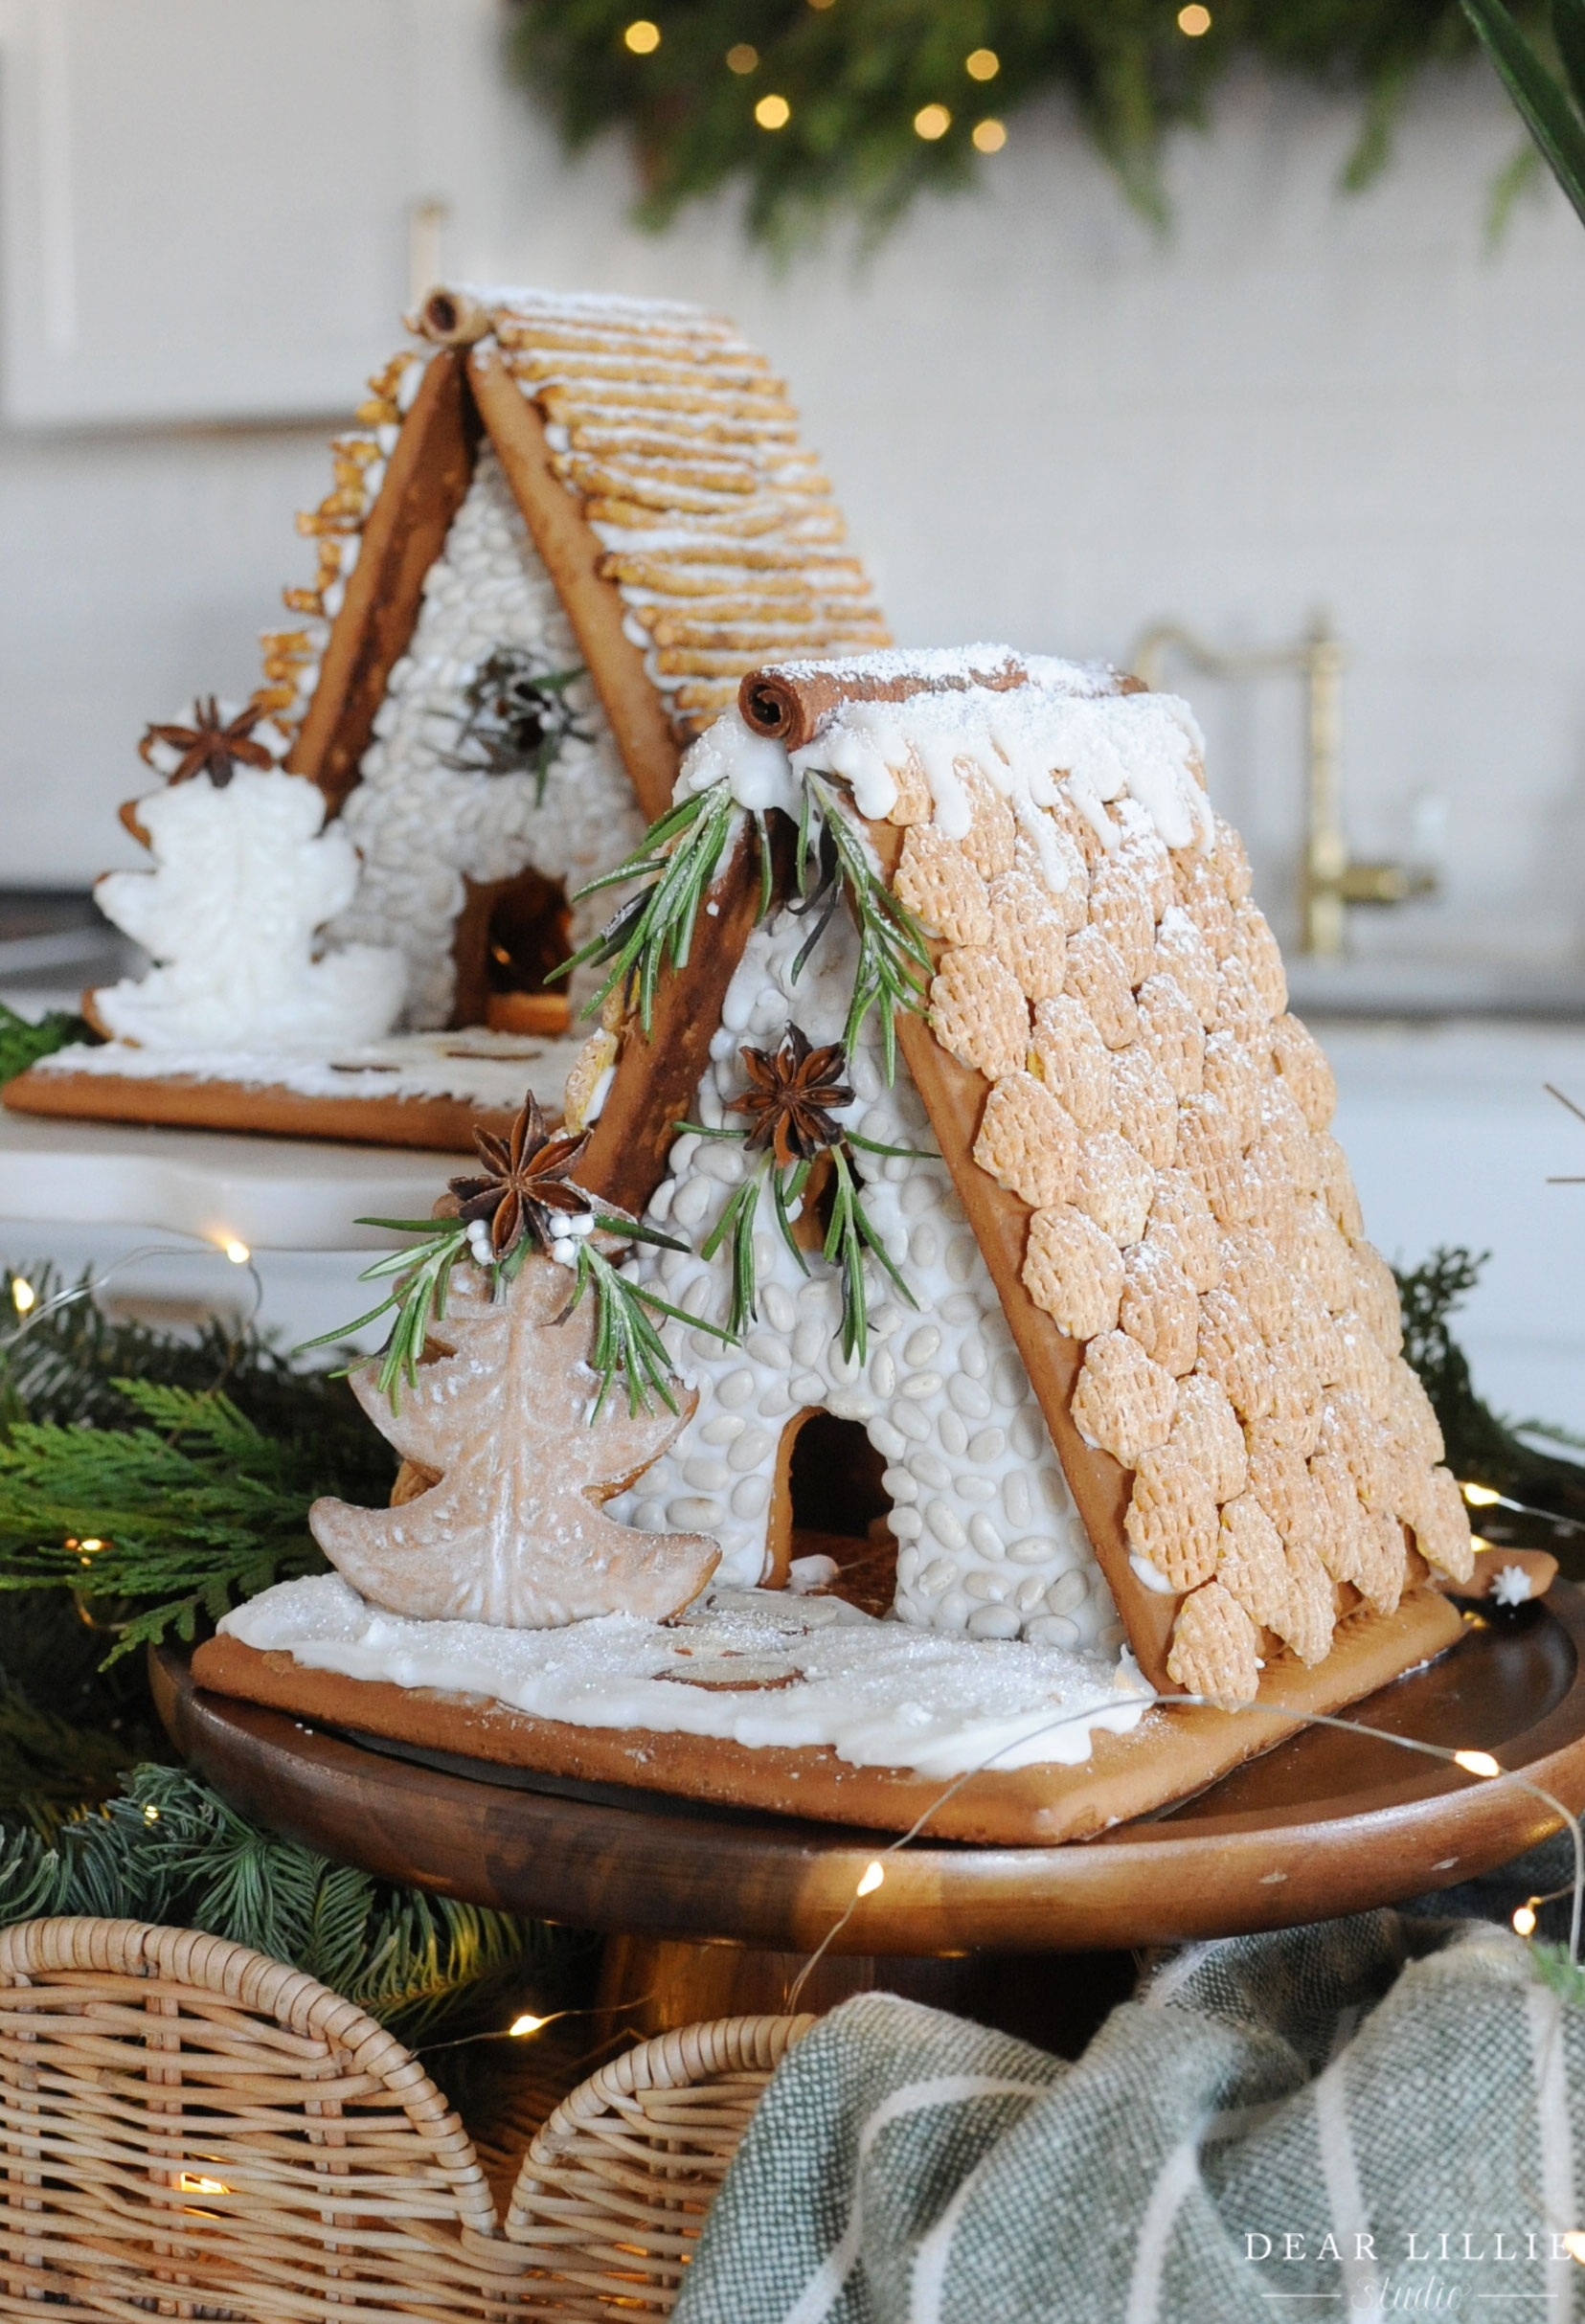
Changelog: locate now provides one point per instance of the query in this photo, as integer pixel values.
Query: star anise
(526, 1186)
(795, 1089)
(211, 745)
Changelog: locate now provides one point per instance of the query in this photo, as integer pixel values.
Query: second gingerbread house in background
(564, 530)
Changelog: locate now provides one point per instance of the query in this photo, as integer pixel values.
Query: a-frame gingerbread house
(543, 485)
(1128, 1369)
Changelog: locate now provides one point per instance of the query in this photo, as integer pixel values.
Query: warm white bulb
(237, 1253)
(1574, 2244)
(23, 1297)
(1523, 1920)
(1477, 1763)
(526, 2024)
(875, 1873)
(1481, 1497)
(151, 1815)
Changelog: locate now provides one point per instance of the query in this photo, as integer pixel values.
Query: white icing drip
(880, 1694)
(243, 878)
(991, 1541)
(758, 773)
(1059, 732)
(1151, 1574)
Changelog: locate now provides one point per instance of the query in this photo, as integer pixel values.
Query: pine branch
(179, 1517)
(24, 1040)
(168, 1849)
(1481, 1447)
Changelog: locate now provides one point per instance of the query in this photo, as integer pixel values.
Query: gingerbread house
(1042, 1353)
(561, 531)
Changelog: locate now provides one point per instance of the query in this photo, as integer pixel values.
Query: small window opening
(510, 935)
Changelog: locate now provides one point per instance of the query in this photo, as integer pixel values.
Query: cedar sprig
(677, 859)
(155, 1527)
(24, 1040)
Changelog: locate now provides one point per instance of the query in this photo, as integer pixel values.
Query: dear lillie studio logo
(1429, 2272)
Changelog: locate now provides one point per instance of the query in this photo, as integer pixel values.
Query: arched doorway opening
(510, 935)
(830, 1502)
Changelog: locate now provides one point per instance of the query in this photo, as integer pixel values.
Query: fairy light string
(1482, 1766)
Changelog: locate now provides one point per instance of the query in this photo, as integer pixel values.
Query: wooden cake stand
(712, 1911)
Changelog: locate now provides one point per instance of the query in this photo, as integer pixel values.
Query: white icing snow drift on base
(243, 878)
(880, 1694)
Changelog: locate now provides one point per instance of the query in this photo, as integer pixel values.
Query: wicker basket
(614, 2187)
(189, 2130)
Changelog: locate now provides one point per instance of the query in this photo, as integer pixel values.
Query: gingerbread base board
(444, 1125)
(1170, 1755)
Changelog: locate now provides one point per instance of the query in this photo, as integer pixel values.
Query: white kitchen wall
(1047, 425)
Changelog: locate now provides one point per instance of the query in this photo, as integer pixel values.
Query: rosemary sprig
(847, 1239)
(678, 857)
(736, 1225)
(895, 966)
(625, 1341)
(417, 1293)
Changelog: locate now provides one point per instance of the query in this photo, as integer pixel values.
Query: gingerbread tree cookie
(512, 1532)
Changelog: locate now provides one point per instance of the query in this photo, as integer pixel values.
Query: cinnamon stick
(794, 703)
(428, 477)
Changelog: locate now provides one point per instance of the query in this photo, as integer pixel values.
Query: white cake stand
(201, 1208)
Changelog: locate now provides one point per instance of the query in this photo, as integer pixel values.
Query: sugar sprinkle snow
(880, 1694)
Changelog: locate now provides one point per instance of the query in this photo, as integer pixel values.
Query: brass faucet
(1328, 879)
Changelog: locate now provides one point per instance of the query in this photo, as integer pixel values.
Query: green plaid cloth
(1372, 2116)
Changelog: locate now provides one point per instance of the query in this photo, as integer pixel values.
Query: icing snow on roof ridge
(524, 299)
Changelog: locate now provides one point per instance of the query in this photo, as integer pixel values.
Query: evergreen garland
(880, 99)
(168, 1849)
(194, 1458)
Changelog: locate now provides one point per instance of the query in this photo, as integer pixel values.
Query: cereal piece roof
(1219, 1353)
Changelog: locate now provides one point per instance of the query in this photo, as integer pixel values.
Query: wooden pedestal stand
(708, 1911)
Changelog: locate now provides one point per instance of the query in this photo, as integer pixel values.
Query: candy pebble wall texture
(1164, 1120)
(990, 1543)
(421, 823)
